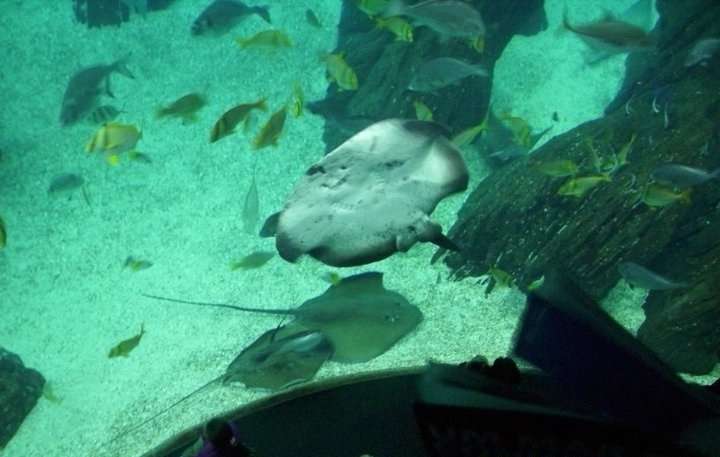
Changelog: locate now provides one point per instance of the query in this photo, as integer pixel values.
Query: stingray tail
(445, 242)
(156, 415)
(220, 305)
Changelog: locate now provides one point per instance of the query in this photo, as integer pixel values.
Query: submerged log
(385, 66)
(516, 221)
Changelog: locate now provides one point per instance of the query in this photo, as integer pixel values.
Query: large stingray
(358, 316)
(279, 358)
(372, 196)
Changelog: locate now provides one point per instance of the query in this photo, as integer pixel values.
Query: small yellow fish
(114, 138)
(272, 39)
(657, 196)
(372, 7)
(622, 156)
(558, 168)
(468, 135)
(270, 132)
(396, 25)
(123, 348)
(254, 260)
(232, 117)
(3, 234)
(422, 111)
(137, 264)
(502, 278)
(578, 187)
(478, 44)
(297, 100)
(535, 285)
(184, 107)
(49, 395)
(340, 72)
(333, 277)
(520, 129)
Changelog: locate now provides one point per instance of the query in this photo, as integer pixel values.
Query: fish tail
(263, 11)
(120, 66)
(685, 197)
(156, 415)
(394, 8)
(261, 105)
(565, 24)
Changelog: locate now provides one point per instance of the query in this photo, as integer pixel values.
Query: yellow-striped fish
(252, 261)
(123, 348)
(270, 132)
(372, 7)
(232, 117)
(184, 107)
(137, 264)
(114, 138)
(422, 111)
(340, 72)
(3, 234)
(268, 39)
(558, 168)
(297, 100)
(468, 135)
(658, 196)
(396, 25)
(578, 187)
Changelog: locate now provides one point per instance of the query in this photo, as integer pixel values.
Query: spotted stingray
(372, 196)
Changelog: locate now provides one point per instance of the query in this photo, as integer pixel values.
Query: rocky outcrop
(20, 388)
(384, 68)
(516, 220)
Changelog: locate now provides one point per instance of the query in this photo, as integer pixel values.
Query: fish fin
(565, 24)
(112, 159)
(264, 12)
(120, 66)
(108, 91)
(685, 197)
(444, 242)
(269, 228)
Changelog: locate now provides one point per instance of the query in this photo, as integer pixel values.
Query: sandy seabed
(65, 298)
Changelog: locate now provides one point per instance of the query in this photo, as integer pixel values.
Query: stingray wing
(359, 317)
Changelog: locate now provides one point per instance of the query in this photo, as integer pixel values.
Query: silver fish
(441, 72)
(222, 15)
(84, 87)
(251, 208)
(702, 51)
(65, 182)
(448, 18)
(643, 278)
(682, 176)
(611, 36)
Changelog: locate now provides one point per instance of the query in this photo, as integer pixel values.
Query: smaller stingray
(372, 196)
(278, 359)
(358, 316)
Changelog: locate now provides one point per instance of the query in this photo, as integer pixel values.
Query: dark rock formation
(516, 220)
(384, 69)
(20, 388)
